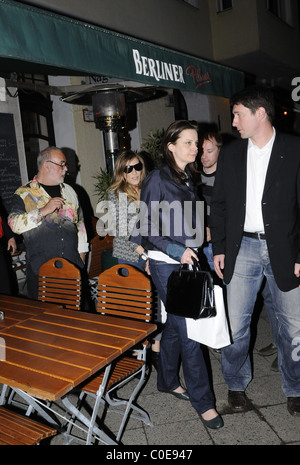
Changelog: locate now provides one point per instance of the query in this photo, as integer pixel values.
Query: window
(282, 9)
(223, 5)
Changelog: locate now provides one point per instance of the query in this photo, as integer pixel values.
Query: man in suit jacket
(255, 228)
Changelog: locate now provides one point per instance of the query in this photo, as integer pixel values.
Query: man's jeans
(251, 265)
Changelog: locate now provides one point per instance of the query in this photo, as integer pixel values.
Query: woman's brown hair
(171, 136)
(119, 181)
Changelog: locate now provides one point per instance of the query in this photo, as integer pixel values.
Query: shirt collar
(266, 147)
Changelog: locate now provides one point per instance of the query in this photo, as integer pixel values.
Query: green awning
(37, 41)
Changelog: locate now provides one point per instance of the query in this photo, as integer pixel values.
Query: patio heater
(110, 105)
(109, 110)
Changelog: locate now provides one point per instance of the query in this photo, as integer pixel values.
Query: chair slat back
(98, 246)
(126, 292)
(60, 283)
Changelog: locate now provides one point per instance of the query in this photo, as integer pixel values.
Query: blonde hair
(119, 180)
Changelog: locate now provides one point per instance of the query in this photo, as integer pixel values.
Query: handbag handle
(196, 266)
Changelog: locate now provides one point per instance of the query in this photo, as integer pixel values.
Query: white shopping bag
(212, 332)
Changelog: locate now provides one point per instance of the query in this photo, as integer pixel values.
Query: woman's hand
(139, 249)
(187, 257)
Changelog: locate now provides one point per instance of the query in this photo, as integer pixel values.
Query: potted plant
(103, 181)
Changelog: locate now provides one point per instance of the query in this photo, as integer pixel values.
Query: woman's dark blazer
(280, 207)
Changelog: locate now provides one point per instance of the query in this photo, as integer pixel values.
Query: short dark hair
(210, 135)
(255, 97)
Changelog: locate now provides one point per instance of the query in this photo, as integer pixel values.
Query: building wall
(234, 32)
(277, 38)
(170, 23)
(250, 30)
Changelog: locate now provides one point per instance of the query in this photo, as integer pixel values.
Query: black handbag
(190, 293)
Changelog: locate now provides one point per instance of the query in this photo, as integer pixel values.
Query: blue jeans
(208, 252)
(268, 304)
(175, 345)
(251, 265)
(140, 264)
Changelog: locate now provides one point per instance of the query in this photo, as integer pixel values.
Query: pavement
(175, 423)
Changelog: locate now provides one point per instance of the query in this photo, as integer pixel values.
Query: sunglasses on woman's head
(137, 167)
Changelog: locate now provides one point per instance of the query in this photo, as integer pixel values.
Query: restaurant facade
(88, 89)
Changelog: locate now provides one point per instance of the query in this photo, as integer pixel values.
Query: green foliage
(103, 181)
(152, 145)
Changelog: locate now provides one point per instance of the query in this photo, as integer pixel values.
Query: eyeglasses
(137, 167)
(62, 165)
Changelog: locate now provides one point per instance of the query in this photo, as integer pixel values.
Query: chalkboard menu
(10, 176)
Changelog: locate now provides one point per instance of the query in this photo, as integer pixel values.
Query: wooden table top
(18, 309)
(51, 351)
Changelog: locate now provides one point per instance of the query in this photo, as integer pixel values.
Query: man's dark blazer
(280, 207)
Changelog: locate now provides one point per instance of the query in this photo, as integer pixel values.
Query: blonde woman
(124, 197)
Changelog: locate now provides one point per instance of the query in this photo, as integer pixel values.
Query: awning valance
(37, 41)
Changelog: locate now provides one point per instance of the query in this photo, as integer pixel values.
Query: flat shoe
(268, 350)
(293, 406)
(179, 395)
(274, 365)
(237, 400)
(214, 423)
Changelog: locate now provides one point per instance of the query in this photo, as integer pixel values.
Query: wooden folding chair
(18, 430)
(94, 266)
(60, 283)
(123, 291)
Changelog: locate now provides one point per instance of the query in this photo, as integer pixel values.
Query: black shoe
(293, 406)
(179, 395)
(214, 423)
(237, 400)
(268, 350)
(274, 365)
(154, 359)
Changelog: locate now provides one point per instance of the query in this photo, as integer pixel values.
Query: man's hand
(219, 263)
(12, 245)
(54, 204)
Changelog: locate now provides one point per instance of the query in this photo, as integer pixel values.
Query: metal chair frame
(129, 297)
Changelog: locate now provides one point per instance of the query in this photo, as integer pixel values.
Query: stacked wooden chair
(19, 430)
(94, 265)
(123, 291)
(60, 283)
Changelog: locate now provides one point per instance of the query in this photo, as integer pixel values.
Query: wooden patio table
(50, 350)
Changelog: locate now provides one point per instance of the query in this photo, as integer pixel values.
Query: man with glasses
(47, 213)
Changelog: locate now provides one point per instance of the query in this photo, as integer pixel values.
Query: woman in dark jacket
(171, 227)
